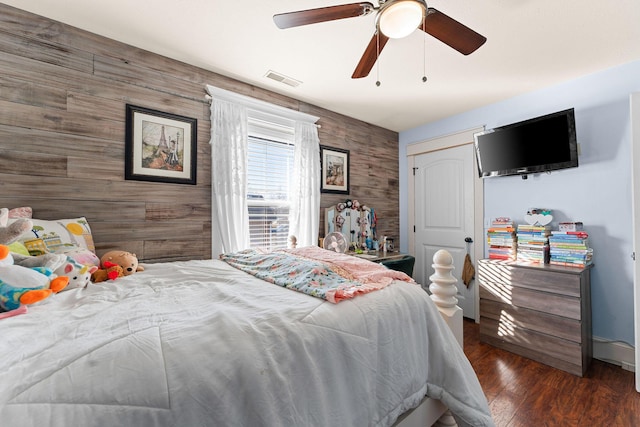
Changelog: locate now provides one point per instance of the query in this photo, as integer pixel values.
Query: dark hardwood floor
(522, 392)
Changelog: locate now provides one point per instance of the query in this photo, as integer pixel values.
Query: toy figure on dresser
(368, 242)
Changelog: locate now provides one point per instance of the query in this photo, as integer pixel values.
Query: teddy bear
(79, 274)
(111, 271)
(127, 260)
(21, 285)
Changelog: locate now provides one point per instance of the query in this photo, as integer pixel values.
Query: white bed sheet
(200, 343)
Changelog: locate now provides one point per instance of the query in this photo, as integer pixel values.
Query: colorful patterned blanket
(315, 271)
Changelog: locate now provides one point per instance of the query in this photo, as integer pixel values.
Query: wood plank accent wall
(63, 93)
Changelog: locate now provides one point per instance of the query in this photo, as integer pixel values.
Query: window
(269, 153)
(269, 172)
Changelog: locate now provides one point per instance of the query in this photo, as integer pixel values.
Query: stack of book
(570, 248)
(501, 239)
(533, 243)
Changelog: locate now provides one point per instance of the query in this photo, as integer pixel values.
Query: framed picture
(159, 146)
(335, 170)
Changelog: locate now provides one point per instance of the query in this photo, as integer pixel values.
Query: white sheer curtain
(304, 212)
(229, 213)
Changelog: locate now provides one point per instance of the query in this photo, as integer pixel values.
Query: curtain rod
(260, 105)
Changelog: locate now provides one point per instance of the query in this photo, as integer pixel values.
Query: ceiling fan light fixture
(398, 19)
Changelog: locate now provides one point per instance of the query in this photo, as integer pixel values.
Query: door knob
(468, 240)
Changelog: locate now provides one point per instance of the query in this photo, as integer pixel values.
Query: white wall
(598, 192)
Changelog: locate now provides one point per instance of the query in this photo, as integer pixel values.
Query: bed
(202, 343)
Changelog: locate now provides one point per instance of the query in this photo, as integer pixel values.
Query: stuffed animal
(48, 261)
(126, 260)
(11, 232)
(20, 285)
(111, 272)
(79, 275)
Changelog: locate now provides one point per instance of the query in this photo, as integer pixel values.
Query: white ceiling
(531, 44)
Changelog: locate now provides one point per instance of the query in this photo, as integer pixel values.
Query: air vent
(282, 78)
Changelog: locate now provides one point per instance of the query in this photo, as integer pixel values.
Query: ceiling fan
(394, 19)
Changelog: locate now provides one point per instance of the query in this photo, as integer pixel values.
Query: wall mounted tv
(541, 144)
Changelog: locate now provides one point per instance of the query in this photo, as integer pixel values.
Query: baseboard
(618, 353)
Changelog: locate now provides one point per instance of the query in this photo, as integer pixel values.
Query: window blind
(269, 170)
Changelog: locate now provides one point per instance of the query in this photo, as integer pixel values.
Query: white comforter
(199, 343)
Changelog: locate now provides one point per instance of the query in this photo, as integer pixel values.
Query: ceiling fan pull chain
(378, 58)
(424, 50)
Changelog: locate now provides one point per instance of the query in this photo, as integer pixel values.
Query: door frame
(443, 143)
(634, 108)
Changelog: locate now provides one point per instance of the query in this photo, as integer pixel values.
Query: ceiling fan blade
(322, 14)
(452, 33)
(370, 55)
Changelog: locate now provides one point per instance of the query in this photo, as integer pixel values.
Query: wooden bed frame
(432, 412)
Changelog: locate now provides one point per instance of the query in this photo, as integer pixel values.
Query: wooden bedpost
(443, 291)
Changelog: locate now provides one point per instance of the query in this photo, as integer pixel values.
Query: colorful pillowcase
(80, 255)
(58, 235)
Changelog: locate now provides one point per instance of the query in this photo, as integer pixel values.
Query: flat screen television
(541, 144)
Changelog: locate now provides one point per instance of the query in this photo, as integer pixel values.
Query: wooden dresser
(541, 312)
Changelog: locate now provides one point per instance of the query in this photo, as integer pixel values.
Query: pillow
(80, 255)
(23, 212)
(51, 236)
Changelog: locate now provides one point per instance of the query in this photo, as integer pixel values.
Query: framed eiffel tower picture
(159, 146)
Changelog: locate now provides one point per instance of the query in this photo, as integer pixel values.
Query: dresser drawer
(543, 278)
(552, 351)
(511, 317)
(560, 305)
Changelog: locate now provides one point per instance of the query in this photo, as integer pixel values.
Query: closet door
(444, 215)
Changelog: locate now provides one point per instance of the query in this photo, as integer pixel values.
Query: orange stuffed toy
(111, 271)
